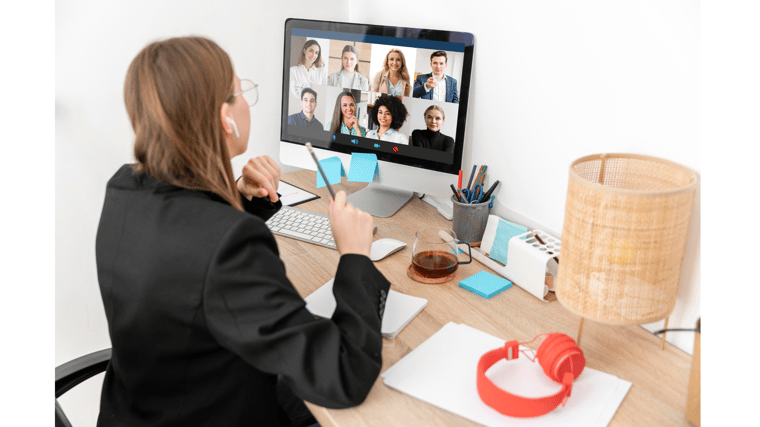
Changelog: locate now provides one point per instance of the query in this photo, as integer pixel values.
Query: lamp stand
(662, 339)
(580, 331)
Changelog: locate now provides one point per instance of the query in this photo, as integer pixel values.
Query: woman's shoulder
(398, 136)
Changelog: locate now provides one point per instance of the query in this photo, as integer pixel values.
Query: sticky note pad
(363, 167)
(485, 284)
(505, 230)
(333, 169)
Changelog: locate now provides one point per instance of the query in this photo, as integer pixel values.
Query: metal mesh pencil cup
(470, 220)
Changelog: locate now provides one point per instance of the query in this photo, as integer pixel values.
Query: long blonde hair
(403, 71)
(174, 93)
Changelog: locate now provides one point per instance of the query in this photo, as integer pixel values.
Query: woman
(390, 114)
(432, 138)
(394, 77)
(344, 118)
(348, 77)
(201, 315)
(310, 69)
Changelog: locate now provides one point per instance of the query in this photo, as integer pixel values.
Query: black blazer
(202, 317)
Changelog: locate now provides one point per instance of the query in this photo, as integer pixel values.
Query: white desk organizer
(528, 261)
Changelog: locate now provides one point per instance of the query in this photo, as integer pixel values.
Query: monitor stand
(378, 200)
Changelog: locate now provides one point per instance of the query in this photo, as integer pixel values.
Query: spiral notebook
(400, 308)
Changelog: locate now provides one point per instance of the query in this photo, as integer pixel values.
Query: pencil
(459, 181)
(477, 178)
(542, 242)
(472, 174)
(324, 177)
(483, 175)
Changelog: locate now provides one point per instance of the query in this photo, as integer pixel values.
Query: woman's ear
(229, 126)
(223, 113)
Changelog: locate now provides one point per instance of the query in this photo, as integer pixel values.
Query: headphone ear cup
(557, 354)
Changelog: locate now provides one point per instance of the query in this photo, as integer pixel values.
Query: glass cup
(435, 253)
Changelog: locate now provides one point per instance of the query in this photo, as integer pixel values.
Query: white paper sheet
(400, 308)
(442, 372)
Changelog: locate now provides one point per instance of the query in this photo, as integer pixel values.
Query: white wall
(95, 42)
(576, 78)
(555, 80)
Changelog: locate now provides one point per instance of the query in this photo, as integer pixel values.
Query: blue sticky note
(363, 167)
(485, 284)
(333, 169)
(505, 230)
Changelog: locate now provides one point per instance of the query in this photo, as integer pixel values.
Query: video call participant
(432, 138)
(348, 77)
(394, 77)
(201, 315)
(390, 114)
(436, 86)
(306, 117)
(310, 69)
(344, 118)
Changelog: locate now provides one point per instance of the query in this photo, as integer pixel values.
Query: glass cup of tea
(435, 253)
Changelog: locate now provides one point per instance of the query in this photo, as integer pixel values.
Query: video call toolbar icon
(377, 145)
(333, 137)
(395, 149)
(354, 141)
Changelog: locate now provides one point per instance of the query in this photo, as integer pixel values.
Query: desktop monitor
(400, 93)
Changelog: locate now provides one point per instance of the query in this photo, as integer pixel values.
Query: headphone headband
(562, 361)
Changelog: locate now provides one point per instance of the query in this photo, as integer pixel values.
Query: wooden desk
(659, 377)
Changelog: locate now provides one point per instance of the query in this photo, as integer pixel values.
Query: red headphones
(562, 361)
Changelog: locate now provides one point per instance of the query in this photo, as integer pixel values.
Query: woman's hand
(353, 123)
(351, 228)
(261, 177)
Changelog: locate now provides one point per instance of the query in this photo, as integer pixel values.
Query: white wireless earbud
(234, 127)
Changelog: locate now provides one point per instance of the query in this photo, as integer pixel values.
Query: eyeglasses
(250, 92)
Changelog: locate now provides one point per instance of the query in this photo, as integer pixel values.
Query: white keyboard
(302, 225)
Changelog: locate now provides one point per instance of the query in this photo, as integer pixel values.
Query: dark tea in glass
(434, 254)
(434, 264)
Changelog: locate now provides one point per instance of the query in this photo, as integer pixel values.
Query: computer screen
(400, 93)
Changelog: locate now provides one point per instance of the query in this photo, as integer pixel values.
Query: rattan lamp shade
(624, 235)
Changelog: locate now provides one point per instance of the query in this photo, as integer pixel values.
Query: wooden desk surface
(659, 377)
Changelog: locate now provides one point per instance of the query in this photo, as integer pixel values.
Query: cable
(678, 330)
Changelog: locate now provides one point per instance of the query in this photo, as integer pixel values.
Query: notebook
(400, 308)
(443, 369)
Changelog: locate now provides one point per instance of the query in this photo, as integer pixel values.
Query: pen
(459, 181)
(329, 187)
(490, 190)
(456, 193)
(472, 174)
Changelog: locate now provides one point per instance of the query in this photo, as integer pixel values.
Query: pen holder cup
(470, 221)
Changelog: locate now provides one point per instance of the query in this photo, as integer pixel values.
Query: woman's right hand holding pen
(351, 227)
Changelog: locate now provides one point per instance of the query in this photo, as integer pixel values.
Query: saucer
(417, 277)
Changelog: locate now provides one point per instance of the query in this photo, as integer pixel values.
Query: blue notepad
(505, 230)
(485, 284)
(333, 169)
(363, 167)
